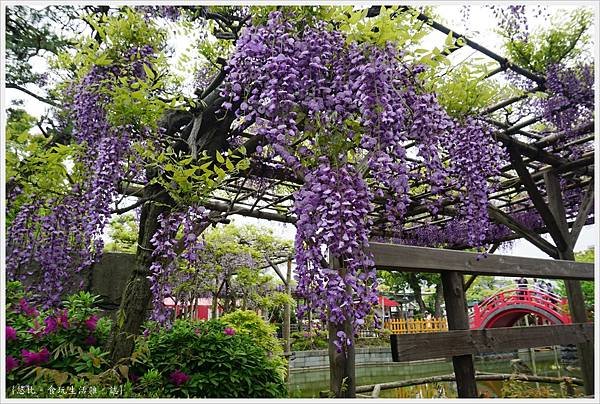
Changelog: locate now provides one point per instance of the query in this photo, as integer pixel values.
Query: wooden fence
(413, 326)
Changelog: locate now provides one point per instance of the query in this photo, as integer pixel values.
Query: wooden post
(342, 377)
(585, 350)
(287, 316)
(458, 319)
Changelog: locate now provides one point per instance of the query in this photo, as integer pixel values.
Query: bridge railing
(533, 295)
(413, 326)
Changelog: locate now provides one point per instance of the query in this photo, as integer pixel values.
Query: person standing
(522, 285)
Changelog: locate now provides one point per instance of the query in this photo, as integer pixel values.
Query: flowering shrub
(62, 341)
(207, 359)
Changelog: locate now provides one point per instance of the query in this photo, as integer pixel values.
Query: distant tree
(123, 231)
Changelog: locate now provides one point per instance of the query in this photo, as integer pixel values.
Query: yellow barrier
(412, 326)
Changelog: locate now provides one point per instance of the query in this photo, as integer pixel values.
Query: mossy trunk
(136, 298)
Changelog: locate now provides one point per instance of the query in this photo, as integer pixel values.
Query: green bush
(305, 341)
(263, 334)
(208, 359)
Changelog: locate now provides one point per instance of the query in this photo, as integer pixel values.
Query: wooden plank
(458, 319)
(502, 218)
(409, 347)
(536, 197)
(556, 205)
(423, 259)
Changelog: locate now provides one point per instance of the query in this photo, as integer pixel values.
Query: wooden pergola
(530, 182)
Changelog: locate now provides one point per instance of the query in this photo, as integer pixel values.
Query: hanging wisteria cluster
(570, 101)
(169, 249)
(64, 234)
(332, 210)
(339, 114)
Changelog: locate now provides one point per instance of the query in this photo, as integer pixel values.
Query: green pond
(308, 382)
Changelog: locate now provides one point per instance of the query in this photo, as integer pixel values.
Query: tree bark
(415, 285)
(342, 375)
(137, 295)
(439, 299)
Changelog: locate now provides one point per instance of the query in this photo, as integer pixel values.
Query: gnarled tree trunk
(137, 296)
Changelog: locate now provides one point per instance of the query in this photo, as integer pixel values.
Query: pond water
(308, 382)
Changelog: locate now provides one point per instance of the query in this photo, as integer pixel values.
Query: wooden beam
(407, 347)
(469, 282)
(536, 198)
(584, 211)
(502, 218)
(405, 258)
(458, 319)
(556, 205)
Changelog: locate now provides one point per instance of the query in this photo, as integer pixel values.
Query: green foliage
(219, 365)
(123, 231)
(249, 323)
(305, 341)
(31, 32)
(36, 167)
(485, 286)
(464, 91)
(74, 345)
(565, 40)
(263, 334)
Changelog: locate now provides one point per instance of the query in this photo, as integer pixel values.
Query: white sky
(481, 25)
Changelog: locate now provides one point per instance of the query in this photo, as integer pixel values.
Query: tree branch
(32, 94)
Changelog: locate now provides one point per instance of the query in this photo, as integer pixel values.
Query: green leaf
(149, 72)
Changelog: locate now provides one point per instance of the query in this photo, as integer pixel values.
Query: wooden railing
(413, 326)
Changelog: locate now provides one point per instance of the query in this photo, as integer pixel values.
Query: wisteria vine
(63, 234)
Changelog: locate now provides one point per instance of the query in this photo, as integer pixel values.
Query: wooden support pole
(287, 316)
(458, 319)
(342, 376)
(585, 350)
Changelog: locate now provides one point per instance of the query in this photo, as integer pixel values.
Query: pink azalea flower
(63, 319)
(90, 340)
(229, 331)
(27, 309)
(91, 323)
(178, 377)
(35, 358)
(51, 325)
(11, 363)
(11, 334)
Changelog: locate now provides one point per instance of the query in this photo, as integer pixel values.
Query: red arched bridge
(506, 307)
